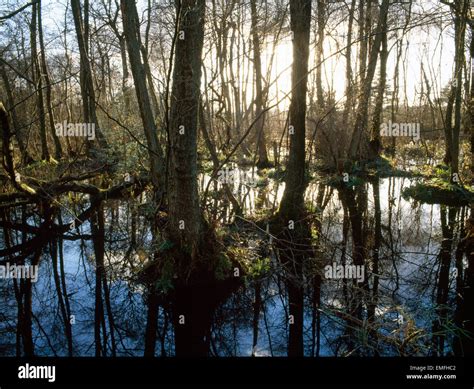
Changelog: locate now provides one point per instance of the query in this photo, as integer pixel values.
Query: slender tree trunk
(47, 83)
(471, 97)
(394, 102)
(363, 42)
(125, 75)
(38, 80)
(375, 143)
(130, 21)
(215, 160)
(321, 8)
(348, 55)
(20, 134)
(149, 77)
(448, 127)
(222, 30)
(87, 84)
(460, 31)
(360, 127)
(257, 63)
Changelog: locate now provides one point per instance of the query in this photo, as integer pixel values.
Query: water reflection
(92, 299)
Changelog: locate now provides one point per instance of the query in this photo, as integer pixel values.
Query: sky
(424, 45)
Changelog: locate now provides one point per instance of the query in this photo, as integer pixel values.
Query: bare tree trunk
(360, 127)
(38, 80)
(145, 53)
(295, 170)
(20, 134)
(471, 96)
(375, 143)
(363, 42)
(215, 160)
(394, 102)
(125, 74)
(112, 22)
(292, 210)
(321, 7)
(222, 30)
(87, 84)
(130, 22)
(185, 219)
(448, 127)
(149, 78)
(47, 83)
(348, 55)
(257, 63)
(461, 12)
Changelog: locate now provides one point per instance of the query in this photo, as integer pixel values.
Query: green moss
(223, 266)
(359, 172)
(165, 245)
(439, 191)
(165, 282)
(276, 174)
(383, 167)
(439, 171)
(207, 166)
(258, 267)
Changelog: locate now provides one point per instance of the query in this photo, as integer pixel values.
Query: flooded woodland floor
(378, 273)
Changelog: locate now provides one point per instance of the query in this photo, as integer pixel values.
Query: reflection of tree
(448, 218)
(464, 343)
(356, 203)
